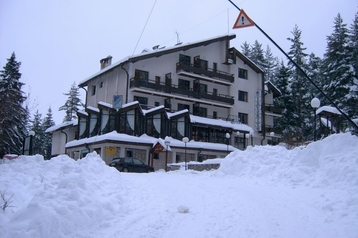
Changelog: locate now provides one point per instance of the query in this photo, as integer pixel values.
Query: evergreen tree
(353, 57)
(246, 49)
(47, 142)
(300, 88)
(271, 64)
(38, 139)
(12, 113)
(257, 56)
(338, 73)
(72, 104)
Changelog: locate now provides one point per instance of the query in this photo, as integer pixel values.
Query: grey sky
(61, 42)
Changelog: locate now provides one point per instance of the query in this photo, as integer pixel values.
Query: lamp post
(227, 141)
(31, 134)
(315, 104)
(185, 140)
(167, 143)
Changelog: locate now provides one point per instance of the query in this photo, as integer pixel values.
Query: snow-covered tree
(47, 142)
(246, 49)
(38, 139)
(72, 104)
(271, 64)
(300, 87)
(338, 71)
(353, 57)
(12, 112)
(257, 55)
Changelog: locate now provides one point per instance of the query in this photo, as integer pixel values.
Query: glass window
(243, 118)
(242, 73)
(184, 84)
(141, 100)
(93, 90)
(140, 74)
(184, 59)
(243, 96)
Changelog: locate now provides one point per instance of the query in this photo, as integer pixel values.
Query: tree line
(336, 74)
(15, 120)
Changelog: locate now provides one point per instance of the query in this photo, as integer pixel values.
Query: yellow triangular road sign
(243, 20)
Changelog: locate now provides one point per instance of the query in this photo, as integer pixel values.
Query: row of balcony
(211, 73)
(174, 89)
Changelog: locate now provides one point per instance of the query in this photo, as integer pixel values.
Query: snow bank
(330, 162)
(59, 197)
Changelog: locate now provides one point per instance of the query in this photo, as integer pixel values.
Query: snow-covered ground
(264, 191)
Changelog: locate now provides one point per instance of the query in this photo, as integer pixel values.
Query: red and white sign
(243, 20)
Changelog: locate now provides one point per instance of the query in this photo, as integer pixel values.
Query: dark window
(215, 115)
(184, 84)
(184, 59)
(202, 111)
(93, 90)
(157, 79)
(183, 106)
(156, 104)
(141, 100)
(243, 118)
(215, 91)
(203, 88)
(215, 67)
(168, 79)
(101, 85)
(242, 73)
(140, 74)
(242, 96)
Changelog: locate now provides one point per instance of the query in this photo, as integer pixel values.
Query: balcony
(269, 108)
(211, 73)
(174, 89)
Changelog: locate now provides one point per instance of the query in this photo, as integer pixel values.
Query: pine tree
(338, 73)
(257, 56)
(353, 57)
(12, 112)
(38, 139)
(72, 104)
(246, 49)
(300, 88)
(47, 142)
(271, 64)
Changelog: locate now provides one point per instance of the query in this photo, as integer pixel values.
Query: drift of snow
(264, 191)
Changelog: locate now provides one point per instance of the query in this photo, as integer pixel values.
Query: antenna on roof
(178, 39)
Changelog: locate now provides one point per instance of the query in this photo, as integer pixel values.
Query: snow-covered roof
(152, 109)
(328, 109)
(105, 104)
(173, 114)
(148, 52)
(95, 109)
(145, 139)
(222, 123)
(62, 125)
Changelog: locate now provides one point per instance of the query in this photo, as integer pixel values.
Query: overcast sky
(61, 42)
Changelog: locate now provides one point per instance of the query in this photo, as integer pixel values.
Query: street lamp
(167, 143)
(315, 104)
(227, 141)
(31, 134)
(185, 140)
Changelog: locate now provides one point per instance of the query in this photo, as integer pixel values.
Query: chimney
(106, 62)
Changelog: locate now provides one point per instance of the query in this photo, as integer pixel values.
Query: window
(243, 118)
(199, 63)
(168, 79)
(157, 79)
(141, 100)
(203, 88)
(156, 104)
(184, 84)
(242, 96)
(184, 59)
(215, 91)
(93, 90)
(140, 74)
(215, 115)
(215, 67)
(202, 111)
(183, 106)
(242, 73)
(101, 85)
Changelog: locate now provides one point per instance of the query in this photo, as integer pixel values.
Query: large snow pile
(264, 191)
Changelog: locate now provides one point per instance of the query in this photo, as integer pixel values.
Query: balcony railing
(273, 109)
(174, 89)
(220, 75)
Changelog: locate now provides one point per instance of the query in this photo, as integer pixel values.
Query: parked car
(128, 164)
